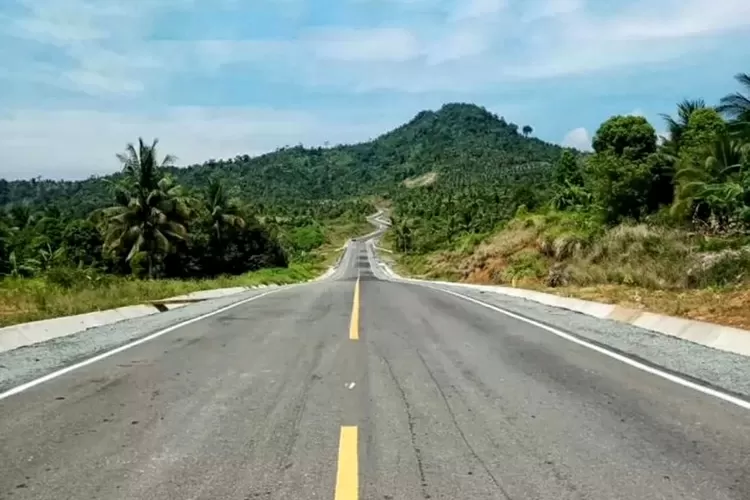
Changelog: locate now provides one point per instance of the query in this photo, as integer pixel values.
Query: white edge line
(742, 403)
(619, 357)
(143, 340)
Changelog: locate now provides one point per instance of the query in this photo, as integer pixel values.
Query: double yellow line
(347, 477)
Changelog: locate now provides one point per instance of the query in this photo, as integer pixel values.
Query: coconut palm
(737, 105)
(150, 211)
(720, 188)
(677, 126)
(224, 212)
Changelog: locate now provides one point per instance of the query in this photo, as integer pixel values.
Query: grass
(640, 266)
(31, 299)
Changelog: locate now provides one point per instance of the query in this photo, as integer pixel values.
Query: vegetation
(647, 222)
(472, 197)
(154, 238)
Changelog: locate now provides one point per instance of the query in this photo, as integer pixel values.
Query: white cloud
(549, 39)
(485, 41)
(104, 54)
(542, 9)
(637, 112)
(50, 142)
(578, 138)
(458, 45)
(468, 9)
(682, 19)
(379, 44)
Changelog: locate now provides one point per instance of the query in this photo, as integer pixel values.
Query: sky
(216, 78)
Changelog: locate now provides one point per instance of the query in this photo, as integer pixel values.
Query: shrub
(525, 264)
(725, 268)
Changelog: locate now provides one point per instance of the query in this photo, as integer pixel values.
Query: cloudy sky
(215, 78)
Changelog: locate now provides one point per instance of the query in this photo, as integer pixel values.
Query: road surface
(356, 387)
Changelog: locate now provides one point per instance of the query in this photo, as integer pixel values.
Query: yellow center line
(347, 478)
(354, 325)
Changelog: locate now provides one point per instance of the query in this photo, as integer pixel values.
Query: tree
(567, 170)
(82, 242)
(737, 105)
(629, 136)
(151, 210)
(677, 126)
(527, 130)
(403, 235)
(626, 176)
(620, 185)
(4, 246)
(703, 127)
(223, 212)
(21, 216)
(718, 191)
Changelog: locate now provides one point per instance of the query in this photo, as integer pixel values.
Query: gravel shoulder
(27, 363)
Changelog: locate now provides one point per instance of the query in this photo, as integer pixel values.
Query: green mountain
(460, 142)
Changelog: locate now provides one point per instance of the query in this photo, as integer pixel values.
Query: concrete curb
(725, 338)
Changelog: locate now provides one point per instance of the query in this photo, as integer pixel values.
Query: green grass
(69, 292)
(31, 299)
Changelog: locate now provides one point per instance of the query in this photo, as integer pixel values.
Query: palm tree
(677, 126)
(719, 188)
(737, 107)
(21, 217)
(151, 210)
(224, 212)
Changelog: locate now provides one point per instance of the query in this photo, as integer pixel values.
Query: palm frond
(140, 242)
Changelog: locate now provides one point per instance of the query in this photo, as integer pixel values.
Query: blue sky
(215, 78)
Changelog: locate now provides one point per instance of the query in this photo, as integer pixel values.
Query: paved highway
(357, 387)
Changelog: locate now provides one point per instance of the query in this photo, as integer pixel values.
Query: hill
(661, 224)
(460, 142)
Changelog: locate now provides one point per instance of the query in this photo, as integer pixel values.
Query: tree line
(696, 176)
(154, 227)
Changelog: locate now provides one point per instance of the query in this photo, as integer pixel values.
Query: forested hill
(462, 142)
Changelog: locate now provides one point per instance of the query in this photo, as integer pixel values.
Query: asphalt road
(423, 396)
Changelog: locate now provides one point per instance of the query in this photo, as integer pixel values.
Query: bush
(306, 238)
(66, 277)
(730, 267)
(526, 264)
